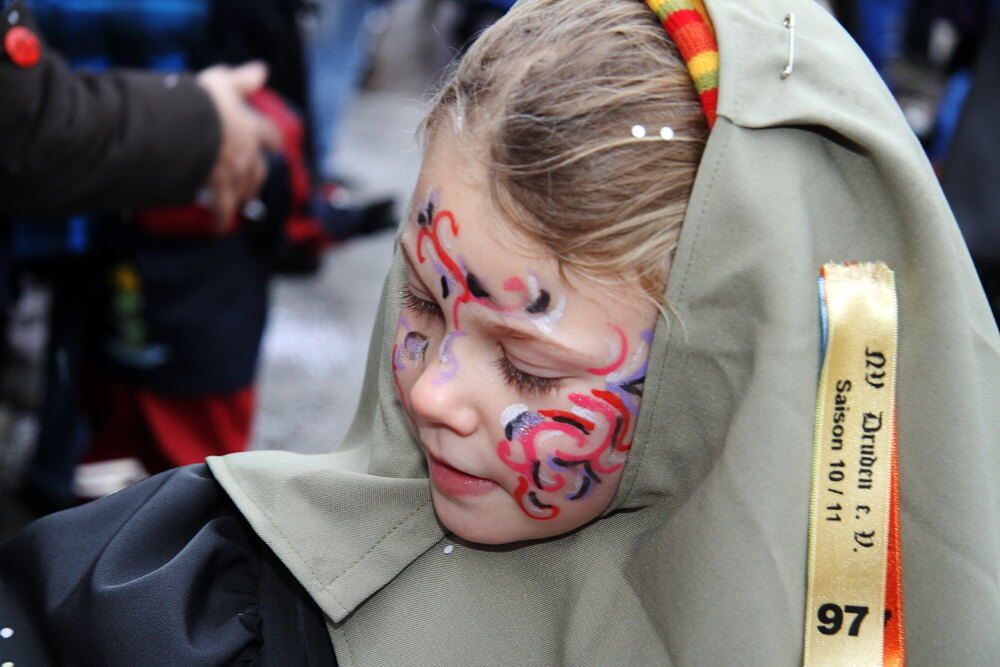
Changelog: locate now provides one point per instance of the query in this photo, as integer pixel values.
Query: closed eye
(420, 306)
(526, 383)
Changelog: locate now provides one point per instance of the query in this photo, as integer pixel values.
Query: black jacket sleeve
(79, 142)
(971, 170)
(165, 572)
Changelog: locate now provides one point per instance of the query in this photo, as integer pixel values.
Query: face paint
(547, 322)
(470, 287)
(447, 357)
(592, 434)
(426, 214)
(413, 349)
(397, 359)
(520, 424)
(619, 351)
(627, 382)
(415, 345)
(593, 443)
(474, 287)
(539, 305)
(514, 285)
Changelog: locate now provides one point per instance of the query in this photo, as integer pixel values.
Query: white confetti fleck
(448, 549)
(6, 633)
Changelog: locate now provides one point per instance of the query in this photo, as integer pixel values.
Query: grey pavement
(315, 346)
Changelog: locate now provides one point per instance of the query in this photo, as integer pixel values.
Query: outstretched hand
(240, 168)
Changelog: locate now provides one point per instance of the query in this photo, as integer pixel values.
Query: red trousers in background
(159, 431)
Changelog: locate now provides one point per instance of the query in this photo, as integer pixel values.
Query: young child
(605, 486)
(537, 252)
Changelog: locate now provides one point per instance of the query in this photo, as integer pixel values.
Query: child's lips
(454, 482)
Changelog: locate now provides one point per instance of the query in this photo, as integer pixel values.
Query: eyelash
(420, 306)
(526, 383)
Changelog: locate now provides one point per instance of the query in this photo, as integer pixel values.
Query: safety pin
(789, 23)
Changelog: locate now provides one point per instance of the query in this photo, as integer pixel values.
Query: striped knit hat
(689, 25)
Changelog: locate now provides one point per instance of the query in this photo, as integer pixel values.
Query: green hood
(702, 558)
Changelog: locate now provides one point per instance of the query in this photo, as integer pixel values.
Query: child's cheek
(566, 455)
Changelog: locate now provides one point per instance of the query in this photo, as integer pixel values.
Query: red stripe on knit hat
(691, 39)
(680, 18)
(694, 36)
(709, 103)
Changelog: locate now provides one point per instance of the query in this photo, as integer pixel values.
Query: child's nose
(441, 394)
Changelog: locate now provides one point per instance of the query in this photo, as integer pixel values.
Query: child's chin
(494, 529)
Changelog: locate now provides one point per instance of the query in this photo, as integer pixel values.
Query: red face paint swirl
(470, 289)
(581, 461)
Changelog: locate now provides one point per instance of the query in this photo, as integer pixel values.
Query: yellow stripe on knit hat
(706, 62)
(688, 24)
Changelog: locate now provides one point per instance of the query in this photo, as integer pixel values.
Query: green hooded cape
(702, 557)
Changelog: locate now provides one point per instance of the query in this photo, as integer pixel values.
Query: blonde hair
(552, 92)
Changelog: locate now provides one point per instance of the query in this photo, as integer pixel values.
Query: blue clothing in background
(337, 54)
(146, 34)
(97, 35)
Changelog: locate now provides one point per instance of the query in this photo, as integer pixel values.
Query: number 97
(831, 618)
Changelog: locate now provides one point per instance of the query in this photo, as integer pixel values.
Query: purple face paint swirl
(397, 351)
(415, 345)
(628, 381)
(448, 358)
(521, 423)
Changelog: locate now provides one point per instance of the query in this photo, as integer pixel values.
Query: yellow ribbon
(853, 448)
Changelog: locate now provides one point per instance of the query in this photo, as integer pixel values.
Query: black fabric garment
(204, 299)
(971, 171)
(73, 142)
(165, 572)
(204, 305)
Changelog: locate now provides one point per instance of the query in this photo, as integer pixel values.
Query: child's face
(522, 387)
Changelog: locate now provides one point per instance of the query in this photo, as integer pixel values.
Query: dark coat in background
(74, 141)
(971, 173)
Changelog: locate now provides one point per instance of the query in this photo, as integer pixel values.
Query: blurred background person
(156, 314)
(339, 47)
(74, 141)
